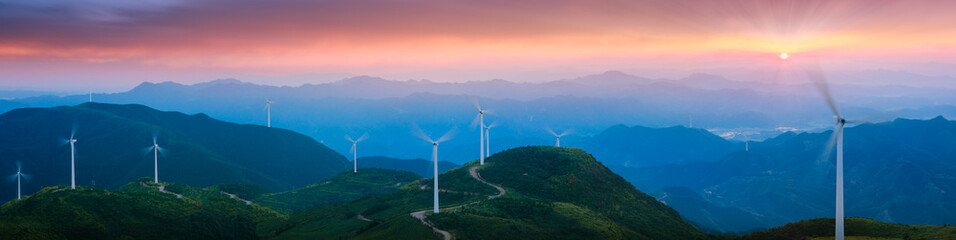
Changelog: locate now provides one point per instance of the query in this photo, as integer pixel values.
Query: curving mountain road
(162, 189)
(473, 171)
(233, 196)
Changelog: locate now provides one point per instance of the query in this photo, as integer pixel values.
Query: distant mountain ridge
(387, 109)
(639, 146)
(111, 142)
(421, 167)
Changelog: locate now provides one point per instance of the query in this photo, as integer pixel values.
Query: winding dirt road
(363, 218)
(420, 215)
(233, 196)
(162, 189)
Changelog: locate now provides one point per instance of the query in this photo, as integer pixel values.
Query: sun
(784, 56)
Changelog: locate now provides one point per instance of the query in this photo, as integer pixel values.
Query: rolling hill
(856, 228)
(341, 188)
(138, 210)
(548, 193)
(111, 140)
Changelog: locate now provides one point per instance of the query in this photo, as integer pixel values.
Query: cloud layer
(436, 38)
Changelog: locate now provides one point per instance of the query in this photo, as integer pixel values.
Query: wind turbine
(72, 142)
(269, 112)
(448, 135)
(816, 75)
(156, 150)
(91, 94)
(353, 150)
(488, 138)
(557, 141)
(18, 176)
(481, 129)
(746, 141)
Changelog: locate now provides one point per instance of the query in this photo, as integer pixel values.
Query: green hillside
(552, 193)
(137, 210)
(855, 228)
(199, 150)
(341, 188)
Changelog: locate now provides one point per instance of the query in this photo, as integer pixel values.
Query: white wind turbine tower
(557, 141)
(354, 151)
(156, 150)
(72, 142)
(269, 112)
(18, 176)
(816, 75)
(481, 129)
(746, 141)
(488, 138)
(446, 137)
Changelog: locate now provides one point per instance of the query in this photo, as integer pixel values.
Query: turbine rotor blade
(73, 131)
(19, 166)
(347, 137)
(831, 144)
(474, 122)
(474, 100)
(362, 138)
(161, 150)
(353, 148)
(546, 128)
(448, 135)
(26, 177)
(146, 150)
(566, 132)
(819, 80)
(418, 132)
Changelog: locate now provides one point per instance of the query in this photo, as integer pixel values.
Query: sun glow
(784, 56)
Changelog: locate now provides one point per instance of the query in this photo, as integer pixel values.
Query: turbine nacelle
(839, 120)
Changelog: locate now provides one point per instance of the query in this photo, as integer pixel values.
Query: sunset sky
(115, 44)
